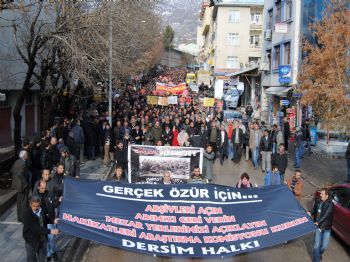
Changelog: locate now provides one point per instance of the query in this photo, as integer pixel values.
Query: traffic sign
(284, 80)
(298, 94)
(284, 102)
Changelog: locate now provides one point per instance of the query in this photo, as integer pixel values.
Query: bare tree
(63, 40)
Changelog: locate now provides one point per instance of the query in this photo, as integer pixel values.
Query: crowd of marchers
(38, 174)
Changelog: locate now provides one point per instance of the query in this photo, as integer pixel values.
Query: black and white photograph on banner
(156, 166)
(147, 164)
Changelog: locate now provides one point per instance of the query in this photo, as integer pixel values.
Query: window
(255, 18)
(278, 12)
(289, 9)
(254, 61)
(232, 62)
(255, 41)
(233, 39)
(270, 19)
(268, 58)
(286, 56)
(276, 62)
(234, 16)
(341, 196)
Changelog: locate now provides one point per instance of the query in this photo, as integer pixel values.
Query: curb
(77, 247)
(9, 202)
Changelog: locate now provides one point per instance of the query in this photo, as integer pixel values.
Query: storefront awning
(277, 90)
(243, 71)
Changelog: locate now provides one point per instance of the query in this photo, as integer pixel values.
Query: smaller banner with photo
(152, 100)
(208, 102)
(172, 100)
(163, 101)
(147, 164)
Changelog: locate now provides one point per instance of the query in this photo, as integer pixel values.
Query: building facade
(281, 57)
(12, 75)
(231, 37)
(287, 23)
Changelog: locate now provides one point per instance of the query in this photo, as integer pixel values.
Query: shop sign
(284, 102)
(285, 73)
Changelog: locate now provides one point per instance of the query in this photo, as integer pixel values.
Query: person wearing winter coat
(167, 136)
(121, 155)
(296, 184)
(244, 182)
(196, 177)
(137, 135)
(70, 163)
(280, 159)
(183, 138)
(91, 136)
(266, 148)
(148, 137)
(222, 142)
(237, 142)
(157, 131)
(108, 145)
(20, 183)
(208, 162)
(254, 143)
(272, 177)
(175, 142)
(79, 138)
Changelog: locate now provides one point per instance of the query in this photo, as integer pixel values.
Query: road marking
(10, 223)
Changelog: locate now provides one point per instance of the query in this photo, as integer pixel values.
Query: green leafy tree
(168, 37)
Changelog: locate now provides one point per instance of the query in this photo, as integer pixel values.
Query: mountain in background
(182, 16)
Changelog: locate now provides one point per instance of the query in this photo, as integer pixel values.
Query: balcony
(256, 26)
(255, 46)
(206, 21)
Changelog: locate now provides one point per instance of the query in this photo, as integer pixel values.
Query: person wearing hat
(69, 161)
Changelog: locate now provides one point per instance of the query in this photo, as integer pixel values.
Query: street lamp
(110, 72)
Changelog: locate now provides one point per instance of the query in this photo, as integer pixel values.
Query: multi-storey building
(287, 23)
(231, 34)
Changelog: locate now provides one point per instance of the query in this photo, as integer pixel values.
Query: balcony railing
(256, 26)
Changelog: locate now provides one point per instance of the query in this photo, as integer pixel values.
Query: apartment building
(231, 37)
(286, 23)
(232, 33)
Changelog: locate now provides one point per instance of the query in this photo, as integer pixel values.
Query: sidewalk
(320, 170)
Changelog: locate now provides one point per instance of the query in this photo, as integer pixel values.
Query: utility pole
(110, 72)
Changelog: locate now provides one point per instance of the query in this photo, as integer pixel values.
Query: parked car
(340, 194)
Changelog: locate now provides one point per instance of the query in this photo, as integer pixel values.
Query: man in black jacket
(322, 215)
(237, 141)
(280, 160)
(35, 231)
(48, 206)
(266, 150)
(222, 142)
(19, 172)
(121, 156)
